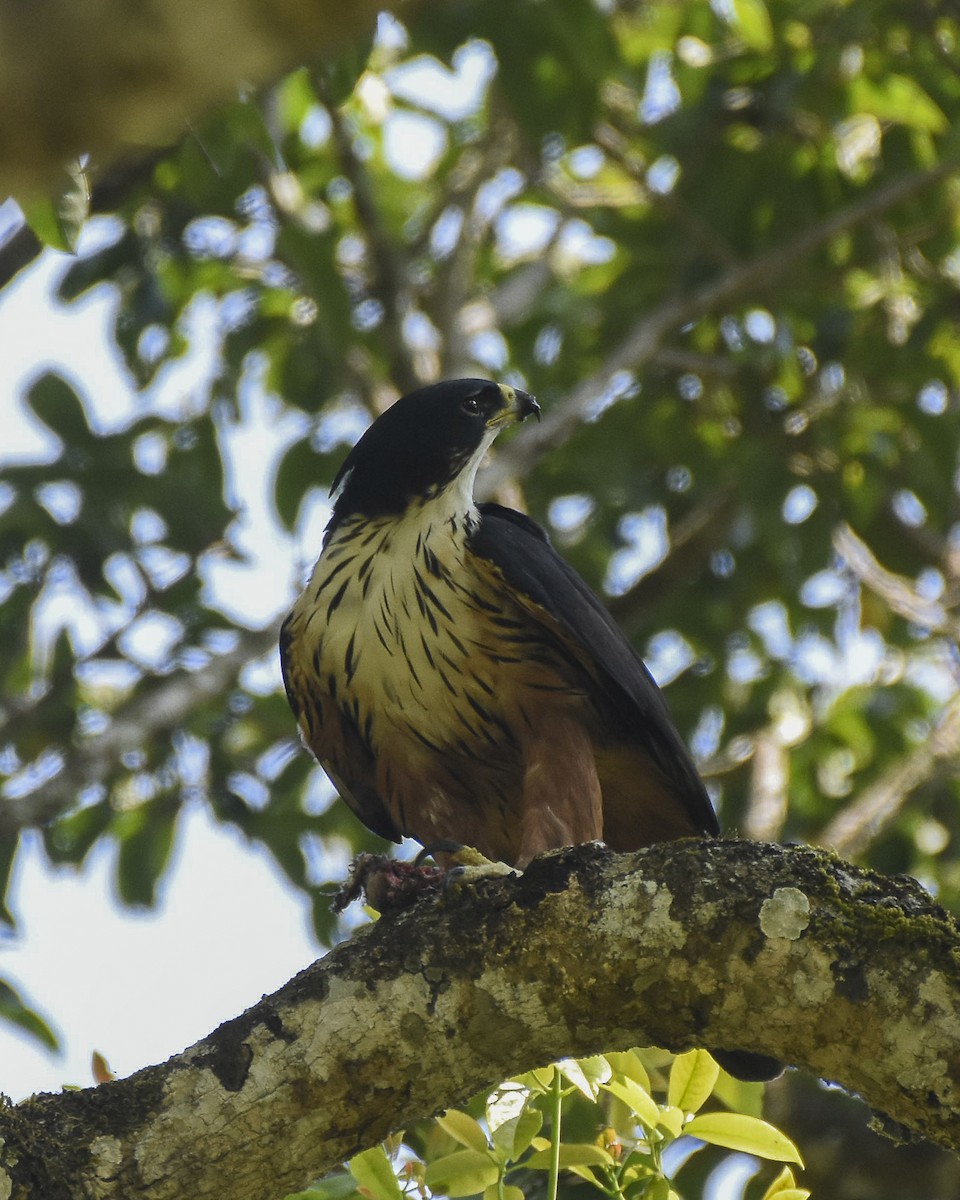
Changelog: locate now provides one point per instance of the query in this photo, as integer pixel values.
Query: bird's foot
(464, 865)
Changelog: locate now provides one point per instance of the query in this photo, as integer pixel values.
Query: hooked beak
(517, 406)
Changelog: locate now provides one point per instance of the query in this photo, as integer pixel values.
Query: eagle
(457, 680)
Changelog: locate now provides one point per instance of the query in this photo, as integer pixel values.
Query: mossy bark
(731, 945)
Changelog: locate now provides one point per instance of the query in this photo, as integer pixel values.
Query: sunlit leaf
(692, 1078)
(784, 1187)
(463, 1128)
(748, 1134)
(374, 1172)
(637, 1099)
(513, 1137)
(14, 1010)
(628, 1063)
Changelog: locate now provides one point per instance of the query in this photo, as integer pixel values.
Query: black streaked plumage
(457, 680)
(433, 624)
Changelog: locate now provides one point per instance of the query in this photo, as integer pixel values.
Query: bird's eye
(471, 405)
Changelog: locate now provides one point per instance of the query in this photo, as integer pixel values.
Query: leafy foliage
(719, 242)
(525, 1138)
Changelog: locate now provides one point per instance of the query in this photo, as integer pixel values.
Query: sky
(135, 986)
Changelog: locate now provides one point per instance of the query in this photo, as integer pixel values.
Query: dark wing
(521, 551)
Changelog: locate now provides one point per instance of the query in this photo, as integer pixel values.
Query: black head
(422, 443)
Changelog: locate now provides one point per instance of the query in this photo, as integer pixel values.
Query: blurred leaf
(374, 1173)
(58, 406)
(898, 98)
(753, 21)
(58, 219)
(14, 1010)
(296, 474)
(146, 838)
(462, 1173)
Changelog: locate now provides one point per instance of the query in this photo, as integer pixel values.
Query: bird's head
(429, 441)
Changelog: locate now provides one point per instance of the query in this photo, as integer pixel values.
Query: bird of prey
(455, 678)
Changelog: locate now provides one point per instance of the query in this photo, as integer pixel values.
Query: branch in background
(692, 540)
(728, 944)
(388, 284)
(896, 591)
(767, 800)
(860, 823)
(454, 282)
(645, 338)
(162, 706)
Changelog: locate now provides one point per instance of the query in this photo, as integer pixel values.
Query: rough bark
(787, 951)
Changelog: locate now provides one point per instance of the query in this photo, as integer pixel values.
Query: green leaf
(58, 219)
(336, 1186)
(538, 1082)
(296, 474)
(70, 837)
(692, 1077)
(671, 1119)
(585, 1075)
(637, 1099)
(374, 1172)
(146, 839)
(463, 1173)
(513, 1137)
(753, 22)
(784, 1187)
(739, 1096)
(58, 406)
(8, 852)
(628, 1063)
(14, 1010)
(749, 1134)
(572, 1154)
(898, 98)
(463, 1128)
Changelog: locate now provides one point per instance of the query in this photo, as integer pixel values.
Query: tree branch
(729, 944)
(163, 705)
(692, 540)
(862, 822)
(897, 591)
(388, 274)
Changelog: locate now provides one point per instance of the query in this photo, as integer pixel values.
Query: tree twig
(163, 705)
(860, 823)
(389, 284)
(647, 334)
